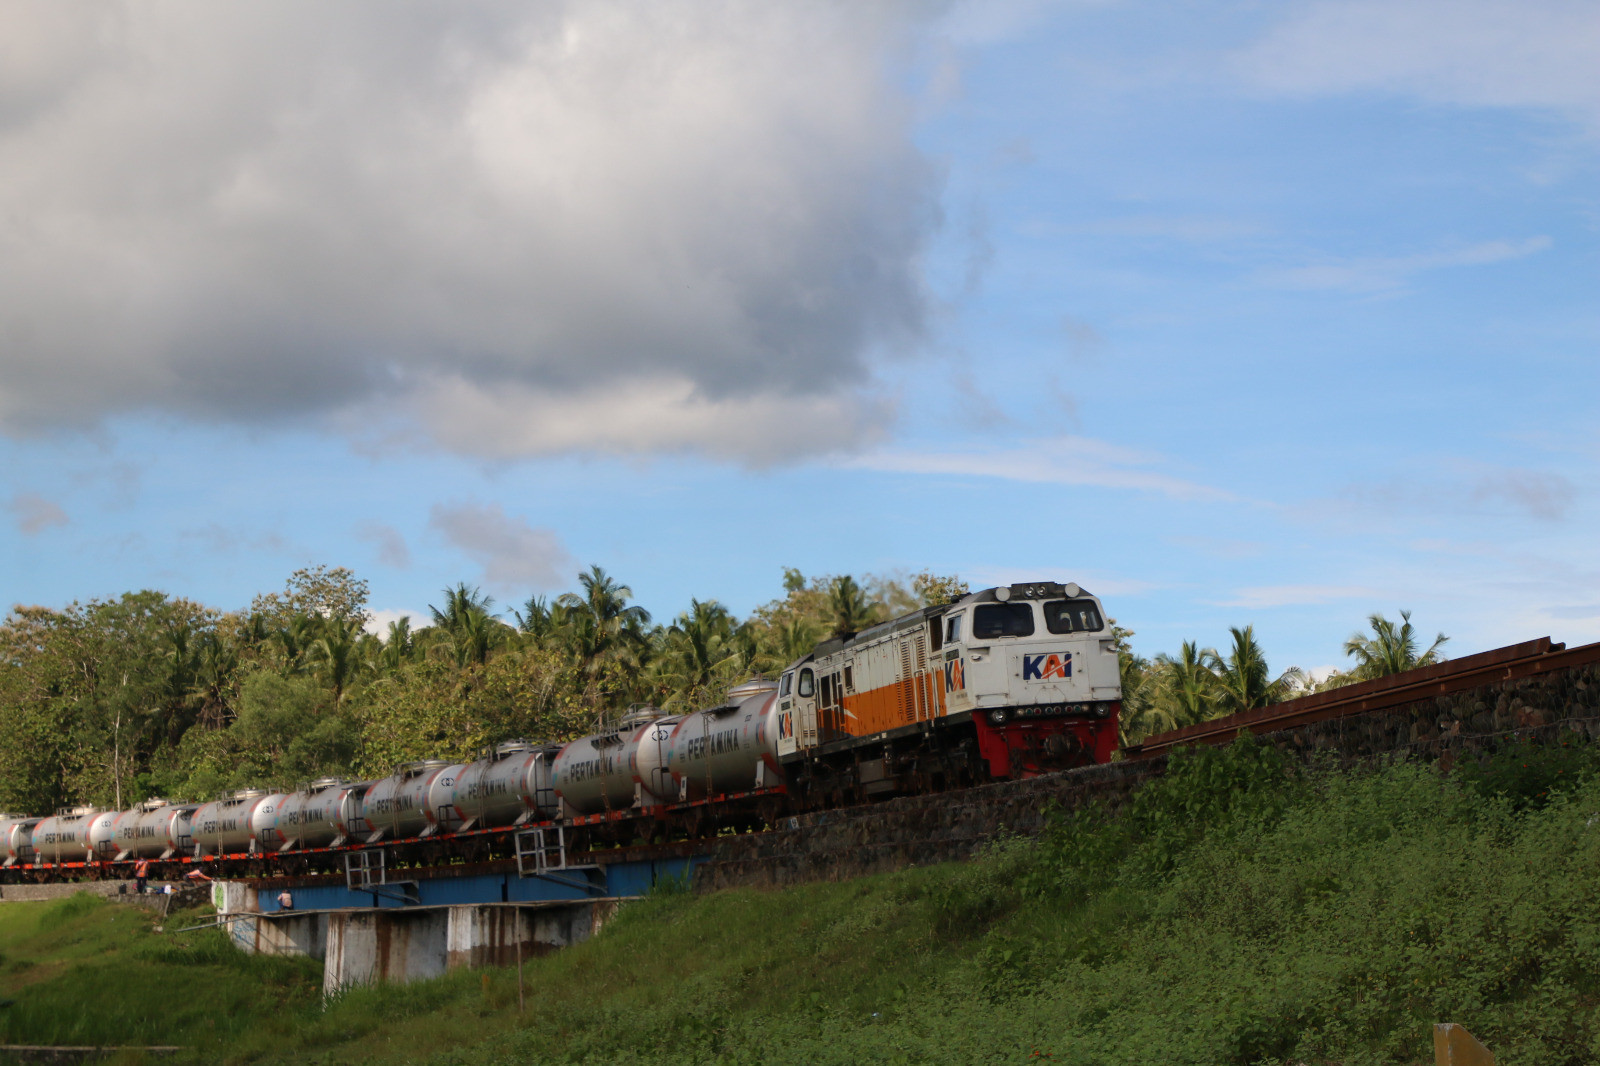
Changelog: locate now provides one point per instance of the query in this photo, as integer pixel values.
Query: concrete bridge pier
(359, 945)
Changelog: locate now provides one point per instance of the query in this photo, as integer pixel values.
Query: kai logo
(955, 679)
(1047, 666)
(785, 725)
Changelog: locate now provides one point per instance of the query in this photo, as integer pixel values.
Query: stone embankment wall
(116, 891)
(911, 830)
(1545, 709)
(917, 830)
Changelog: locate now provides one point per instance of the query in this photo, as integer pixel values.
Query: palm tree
(1391, 649)
(460, 602)
(336, 653)
(1188, 688)
(474, 637)
(397, 646)
(538, 619)
(600, 621)
(295, 637)
(701, 647)
(851, 610)
(1243, 678)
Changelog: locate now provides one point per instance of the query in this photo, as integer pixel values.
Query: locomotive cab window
(783, 686)
(990, 620)
(952, 629)
(808, 684)
(1073, 616)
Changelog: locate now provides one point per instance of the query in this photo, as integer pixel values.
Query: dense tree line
(112, 701)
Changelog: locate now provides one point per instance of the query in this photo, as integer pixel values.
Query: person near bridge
(141, 871)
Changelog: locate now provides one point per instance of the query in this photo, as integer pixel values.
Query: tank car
(592, 774)
(64, 836)
(728, 748)
(508, 784)
(400, 805)
(16, 839)
(309, 818)
(224, 827)
(154, 829)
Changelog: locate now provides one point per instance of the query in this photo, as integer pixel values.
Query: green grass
(82, 970)
(1240, 911)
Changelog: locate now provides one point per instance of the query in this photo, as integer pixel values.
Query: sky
(1233, 313)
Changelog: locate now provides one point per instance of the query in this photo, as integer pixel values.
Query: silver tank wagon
(63, 837)
(592, 774)
(309, 817)
(16, 839)
(399, 805)
(507, 785)
(144, 832)
(222, 827)
(731, 748)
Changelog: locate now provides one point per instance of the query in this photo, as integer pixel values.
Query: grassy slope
(1234, 916)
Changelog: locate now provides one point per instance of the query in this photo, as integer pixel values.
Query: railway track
(1529, 659)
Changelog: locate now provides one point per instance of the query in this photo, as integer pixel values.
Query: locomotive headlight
(997, 717)
(1102, 710)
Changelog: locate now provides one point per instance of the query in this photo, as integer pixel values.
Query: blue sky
(1233, 313)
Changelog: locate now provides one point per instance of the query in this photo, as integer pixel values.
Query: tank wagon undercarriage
(1005, 683)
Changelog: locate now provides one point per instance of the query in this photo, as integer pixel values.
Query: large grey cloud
(525, 228)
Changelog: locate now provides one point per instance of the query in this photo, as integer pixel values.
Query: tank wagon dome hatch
(421, 766)
(738, 694)
(637, 714)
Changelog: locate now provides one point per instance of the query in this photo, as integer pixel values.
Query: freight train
(1008, 682)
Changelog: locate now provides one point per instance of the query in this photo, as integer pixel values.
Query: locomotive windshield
(1072, 616)
(1002, 620)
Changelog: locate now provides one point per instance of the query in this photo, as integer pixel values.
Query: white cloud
(514, 555)
(35, 514)
(1058, 461)
(1264, 596)
(378, 621)
(1380, 273)
(249, 211)
(645, 415)
(1533, 54)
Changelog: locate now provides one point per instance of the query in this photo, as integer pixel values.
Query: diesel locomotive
(1007, 682)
